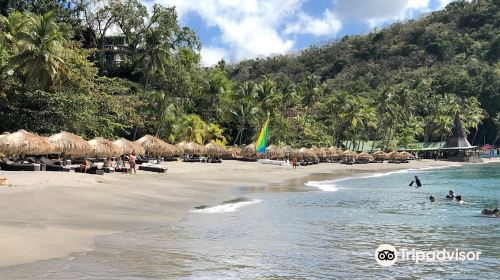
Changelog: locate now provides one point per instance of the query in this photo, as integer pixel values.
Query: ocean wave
(329, 185)
(226, 207)
(326, 186)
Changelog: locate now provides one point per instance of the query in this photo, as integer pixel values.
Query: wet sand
(52, 214)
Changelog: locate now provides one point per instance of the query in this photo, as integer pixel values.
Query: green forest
(395, 86)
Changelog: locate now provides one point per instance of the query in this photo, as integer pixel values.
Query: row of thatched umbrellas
(23, 142)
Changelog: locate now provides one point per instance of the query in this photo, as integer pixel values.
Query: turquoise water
(309, 235)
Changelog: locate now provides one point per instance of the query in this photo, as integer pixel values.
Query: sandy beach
(52, 214)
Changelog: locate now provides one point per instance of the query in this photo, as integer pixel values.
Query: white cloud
(211, 55)
(328, 25)
(253, 28)
(249, 28)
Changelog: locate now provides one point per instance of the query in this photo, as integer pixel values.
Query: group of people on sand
(451, 196)
(112, 164)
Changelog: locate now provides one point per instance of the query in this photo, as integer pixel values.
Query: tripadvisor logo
(387, 255)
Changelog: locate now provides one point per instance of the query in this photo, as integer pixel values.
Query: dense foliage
(394, 86)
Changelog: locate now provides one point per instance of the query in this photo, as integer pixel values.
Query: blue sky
(239, 29)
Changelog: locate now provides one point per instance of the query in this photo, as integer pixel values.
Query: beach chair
(12, 166)
(50, 165)
(153, 168)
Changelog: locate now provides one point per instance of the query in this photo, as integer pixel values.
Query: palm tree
(245, 113)
(12, 26)
(152, 58)
(266, 93)
(192, 128)
(40, 57)
(312, 90)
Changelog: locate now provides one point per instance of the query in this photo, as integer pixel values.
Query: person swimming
(432, 198)
(488, 212)
(417, 182)
(450, 195)
(459, 199)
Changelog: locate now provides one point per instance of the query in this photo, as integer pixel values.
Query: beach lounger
(92, 170)
(12, 166)
(152, 168)
(50, 165)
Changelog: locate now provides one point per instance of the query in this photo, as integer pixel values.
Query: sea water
(330, 231)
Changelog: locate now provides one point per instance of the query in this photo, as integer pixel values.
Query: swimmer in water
(459, 199)
(417, 182)
(432, 198)
(450, 195)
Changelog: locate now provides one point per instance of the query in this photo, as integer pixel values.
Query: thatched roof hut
(274, 151)
(127, 147)
(23, 142)
(193, 148)
(365, 157)
(214, 149)
(69, 144)
(152, 145)
(103, 148)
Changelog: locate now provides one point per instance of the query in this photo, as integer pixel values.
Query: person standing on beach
(131, 162)
(294, 163)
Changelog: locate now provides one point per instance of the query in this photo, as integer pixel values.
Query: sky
(235, 30)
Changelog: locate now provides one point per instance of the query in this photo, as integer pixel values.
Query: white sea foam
(226, 208)
(329, 185)
(326, 186)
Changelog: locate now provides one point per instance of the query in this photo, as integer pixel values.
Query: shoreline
(50, 215)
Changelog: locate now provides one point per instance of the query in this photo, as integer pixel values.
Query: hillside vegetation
(394, 86)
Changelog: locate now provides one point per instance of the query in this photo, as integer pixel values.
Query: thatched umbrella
(335, 153)
(349, 155)
(317, 152)
(325, 152)
(274, 152)
(214, 149)
(69, 144)
(193, 148)
(233, 152)
(23, 142)
(181, 144)
(395, 156)
(249, 151)
(365, 157)
(152, 145)
(380, 156)
(172, 150)
(406, 155)
(128, 147)
(103, 148)
(307, 154)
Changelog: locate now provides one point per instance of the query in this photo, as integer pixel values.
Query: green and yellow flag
(262, 141)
